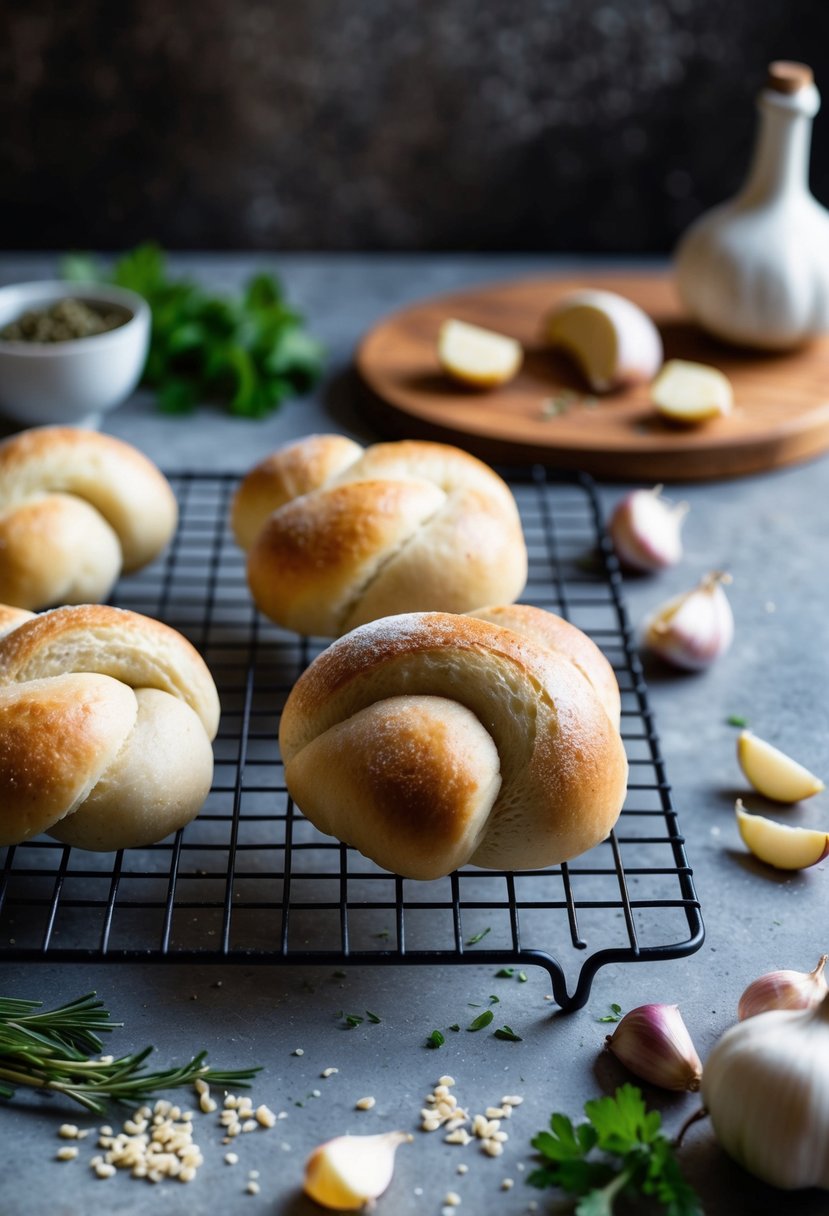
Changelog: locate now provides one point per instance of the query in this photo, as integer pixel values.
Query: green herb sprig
(620, 1150)
(248, 352)
(52, 1049)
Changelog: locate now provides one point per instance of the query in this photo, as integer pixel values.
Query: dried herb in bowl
(64, 321)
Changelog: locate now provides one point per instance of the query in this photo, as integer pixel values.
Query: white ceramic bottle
(755, 270)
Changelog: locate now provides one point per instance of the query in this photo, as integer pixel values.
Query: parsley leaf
(248, 352)
(435, 1039)
(483, 1019)
(477, 937)
(635, 1157)
(736, 720)
(506, 1032)
(372, 1017)
(615, 1014)
(506, 973)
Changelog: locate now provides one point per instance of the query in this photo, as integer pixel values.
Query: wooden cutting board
(781, 412)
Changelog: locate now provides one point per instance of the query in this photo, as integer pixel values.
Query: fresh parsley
(372, 1017)
(248, 352)
(505, 973)
(620, 1150)
(483, 1019)
(615, 1014)
(507, 1032)
(737, 720)
(435, 1039)
(477, 937)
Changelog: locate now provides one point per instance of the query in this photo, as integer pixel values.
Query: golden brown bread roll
(76, 508)
(106, 722)
(338, 535)
(429, 740)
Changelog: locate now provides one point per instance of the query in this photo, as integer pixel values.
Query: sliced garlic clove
(691, 393)
(645, 530)
(692, 630)
(350, 1171)
(476, 357)
(610, 338)
(779, 845)
(784, 990)
(654, 1043)
(773, 773)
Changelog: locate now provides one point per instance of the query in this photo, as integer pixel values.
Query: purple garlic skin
(784, 990)
(645, 530)
(653, 1042)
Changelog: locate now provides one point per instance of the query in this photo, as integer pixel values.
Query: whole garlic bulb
(755, 270)
(766, 1087)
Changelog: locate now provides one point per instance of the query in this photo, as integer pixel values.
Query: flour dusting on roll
(432, 740)
(338, 535)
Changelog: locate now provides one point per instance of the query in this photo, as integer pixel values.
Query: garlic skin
(645, 530)
(692, 630)
(347, 1173)
(654, 1043)
(784, 990)
(766, 1088)
(755, 270)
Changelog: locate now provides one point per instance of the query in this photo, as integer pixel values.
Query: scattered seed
(297, 1052)
(463, 1168)
(365, 1103)
(231, 1159)
(252, 1188)
(329, 1072)
(69, 1153)
(68, 1131)
(507, 1184)
(452, 1199)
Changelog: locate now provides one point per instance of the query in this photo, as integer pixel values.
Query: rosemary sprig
(51, 1049)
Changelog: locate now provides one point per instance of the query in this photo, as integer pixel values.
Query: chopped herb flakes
(435, 1039)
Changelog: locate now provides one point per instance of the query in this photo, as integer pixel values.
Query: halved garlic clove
(779, 845)
(610, 338)
(784, 990)
(476, 357)
(346, 1173)
(654, 1043)
(773, 773)
(692, 630)
(645, 530)
(691, 393)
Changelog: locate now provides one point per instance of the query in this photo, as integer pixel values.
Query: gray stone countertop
(770, 531)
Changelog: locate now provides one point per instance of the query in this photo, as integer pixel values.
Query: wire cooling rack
(252, 880)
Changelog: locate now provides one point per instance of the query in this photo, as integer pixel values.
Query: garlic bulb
(645, 530)
(348, 1172)
(784, 990)
(694, 629)
(755, 270)
(766, 1088)
(654, 1043)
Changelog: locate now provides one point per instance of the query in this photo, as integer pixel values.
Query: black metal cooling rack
(252, 880)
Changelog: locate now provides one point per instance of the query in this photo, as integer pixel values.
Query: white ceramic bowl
(76, 381)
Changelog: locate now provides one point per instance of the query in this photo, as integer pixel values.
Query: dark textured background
(583, 125)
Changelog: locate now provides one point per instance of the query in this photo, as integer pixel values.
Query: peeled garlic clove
(348, 1172)
(784, 990)
(610, 338)
(479, 358)
(691, 393)
(772, 772)
(645, 530)
(654, 1043)
(779, 845)
(694, 629)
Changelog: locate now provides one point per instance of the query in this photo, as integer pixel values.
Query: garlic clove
(773, 773)
(610, 338)
(346, 1173)
(692, 630)
(654, 1043)
(779, 845)
(476, 357)
(784, 990)
(691, 393)
(645, 530)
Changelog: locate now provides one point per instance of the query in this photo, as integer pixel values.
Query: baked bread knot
(338, 535)
(76, 508)
(429, 740)
(106, 722)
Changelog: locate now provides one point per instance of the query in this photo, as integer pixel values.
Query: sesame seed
(69, 1153)
(231, 1159)
(68, 1131)
(252, 1188)
(507, 1184)
(463, 1168)
(329, 1072)
(501, 1137)
(253, 1173)
(297, 1052)
(315, 1093)
(249, 1125)
(496, 1112)
(283, 1114)
(513, 1100)
(459, 1136)
(448, 1082)
(265, 1116)
(430, 1125)
(364, 1103)
(492, 1148)
(452, 1199)
(104, 1170)
(186, 1174)
(207, 1104)
(418, 1190)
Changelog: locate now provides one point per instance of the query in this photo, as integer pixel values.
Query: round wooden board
(781, 411)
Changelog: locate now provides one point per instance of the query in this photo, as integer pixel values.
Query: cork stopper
(785, 76)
